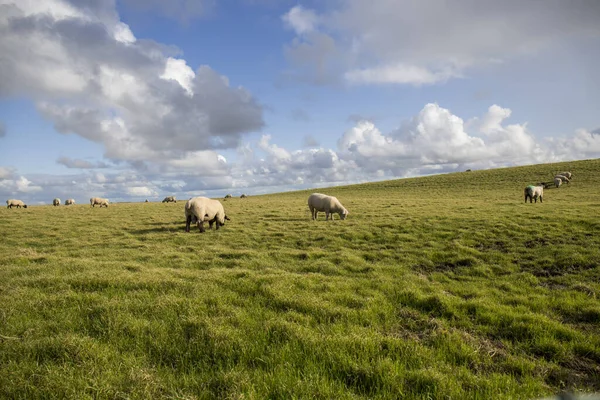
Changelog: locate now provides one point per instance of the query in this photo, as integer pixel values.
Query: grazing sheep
(98, 200)
(533, 192)
(567, 174)
(69, 202)
(56, 202)
(563, 178)
(200, 209)
(146, 201)
(170, 199)
(228, 196)
(243, 196)
(557, 182)
(15, 203)
(329, 204)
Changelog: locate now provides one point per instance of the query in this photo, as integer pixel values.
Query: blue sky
(137, 99)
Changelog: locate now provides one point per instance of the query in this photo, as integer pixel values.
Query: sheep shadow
(160, 227)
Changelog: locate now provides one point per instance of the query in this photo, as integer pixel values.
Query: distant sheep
(328, 204)
(228, 196)
(563, 178)
(146, 201)
(243, 196)
(56, 202)
(557, 182)
(200, 209)
(567, 174)
(98, 200)
(533, 192)
(170, 199)
(69, 202)
(15, 203)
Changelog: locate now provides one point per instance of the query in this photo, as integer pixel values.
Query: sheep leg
(188, 222)
(326, 215)
(540, 199)
(201, 225)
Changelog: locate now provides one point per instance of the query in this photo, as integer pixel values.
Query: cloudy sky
(139, 99)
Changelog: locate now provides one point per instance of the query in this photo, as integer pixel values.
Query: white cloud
(179, 71)
(272, 149)
(140, 191)
(301, 20)
(398, 73)
(91, 77)
(425, 42)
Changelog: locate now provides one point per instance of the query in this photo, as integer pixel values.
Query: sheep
(557, 182)
(15, 203)
(146, 201)
(170, 199)
(69, 202)
(200, 209)
(329, 204)
(243, 196)
(533, 192)
(98, 200)
(228, 196)
(562, 178)
(567, 174)
(56, 202)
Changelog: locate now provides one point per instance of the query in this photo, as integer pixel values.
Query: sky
(141, 99)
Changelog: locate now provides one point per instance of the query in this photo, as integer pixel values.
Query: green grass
(447, 286)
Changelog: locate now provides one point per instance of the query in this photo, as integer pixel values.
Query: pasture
(446, 286)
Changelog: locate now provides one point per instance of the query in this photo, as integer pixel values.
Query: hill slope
(439, 286)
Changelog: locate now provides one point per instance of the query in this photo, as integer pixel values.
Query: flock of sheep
(202, 209)
(533, 192)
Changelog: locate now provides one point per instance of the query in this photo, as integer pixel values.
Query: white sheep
(69, 202)
(567, 174)
(228, 196)
(56, 202)
(562, 178)
(200, 209)
(170, 199)
(557, 182)
(243, 196)
(98, 200)
(15, 203)
(329, 204)
(533, 192)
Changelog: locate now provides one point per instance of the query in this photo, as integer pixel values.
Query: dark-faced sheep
(69, 202)
(15, 203)
(98, 200)
(56, 202)
(533, 192)
(170, 199)
(200, 209)
(330, 205)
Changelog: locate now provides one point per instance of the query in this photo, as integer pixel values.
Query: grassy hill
(446, 286)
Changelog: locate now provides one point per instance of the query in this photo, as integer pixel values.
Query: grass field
(446, 286)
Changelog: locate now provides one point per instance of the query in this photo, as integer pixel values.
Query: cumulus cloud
(434, 140)
(301, 20)
(81, 164)
(20, 185)
(92, 77)
(399, 42)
